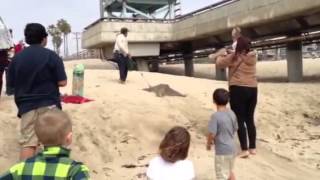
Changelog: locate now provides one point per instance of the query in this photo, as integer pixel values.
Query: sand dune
(125, 124)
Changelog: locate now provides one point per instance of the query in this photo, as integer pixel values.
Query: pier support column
(294, 62)
(188, 59)
(154, 66)
(142, 65)
(189, 67)
(221, 74)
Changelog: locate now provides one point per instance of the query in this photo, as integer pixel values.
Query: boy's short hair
(221, 97)
(175, 145)
(52, 127)
(35, 33)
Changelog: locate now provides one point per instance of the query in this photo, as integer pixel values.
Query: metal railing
(157, 20)
(85, 54)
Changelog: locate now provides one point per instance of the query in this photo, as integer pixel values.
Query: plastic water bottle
(78, 80)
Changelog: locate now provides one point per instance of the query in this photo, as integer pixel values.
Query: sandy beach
(125, 124)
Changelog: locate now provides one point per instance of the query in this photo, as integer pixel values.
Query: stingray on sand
(164, 90)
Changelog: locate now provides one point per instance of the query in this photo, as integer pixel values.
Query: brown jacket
(242, 69)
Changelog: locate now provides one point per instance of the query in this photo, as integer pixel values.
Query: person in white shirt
(172, 163)
(236, 33)
(121, 53)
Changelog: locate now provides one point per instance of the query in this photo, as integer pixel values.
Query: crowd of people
(36, 73)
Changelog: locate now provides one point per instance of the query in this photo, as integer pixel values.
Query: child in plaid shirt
(54, 130)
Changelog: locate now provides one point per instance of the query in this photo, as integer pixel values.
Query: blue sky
(79, 13)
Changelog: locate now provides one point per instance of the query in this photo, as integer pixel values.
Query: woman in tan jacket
(243, 89)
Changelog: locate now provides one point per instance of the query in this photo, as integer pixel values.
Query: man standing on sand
(4, 61)
(5, 45)
(36, 74)
(121, 54)
(11, 53)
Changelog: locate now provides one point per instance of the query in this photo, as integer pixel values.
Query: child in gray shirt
(222, 128)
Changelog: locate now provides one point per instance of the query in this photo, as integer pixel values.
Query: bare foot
(243, 154)
(253, 151)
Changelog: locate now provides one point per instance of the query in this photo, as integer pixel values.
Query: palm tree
(58, 41)
(55, 33)
(65, 28)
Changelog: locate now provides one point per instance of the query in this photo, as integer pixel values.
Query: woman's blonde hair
(52, 127)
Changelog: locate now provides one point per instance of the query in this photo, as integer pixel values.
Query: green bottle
(78, 80)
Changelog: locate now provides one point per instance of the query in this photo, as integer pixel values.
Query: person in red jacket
(19, 47)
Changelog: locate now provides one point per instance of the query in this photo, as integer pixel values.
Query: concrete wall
(105, 33)
(136, 49)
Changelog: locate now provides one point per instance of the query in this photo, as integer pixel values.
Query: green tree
(55, 33)
(65, 28)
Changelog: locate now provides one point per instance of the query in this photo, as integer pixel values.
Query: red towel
(74, 99)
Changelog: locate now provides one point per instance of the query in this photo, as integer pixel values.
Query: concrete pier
(154, 66)
(267, 18)
(263, 18)
(142, 65)
(189, 67)
(294, 62)
(188, 59)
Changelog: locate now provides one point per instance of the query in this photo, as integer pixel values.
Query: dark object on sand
(130, 166)
(164, 90)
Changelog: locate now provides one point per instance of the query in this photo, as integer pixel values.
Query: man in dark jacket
(36, 74)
